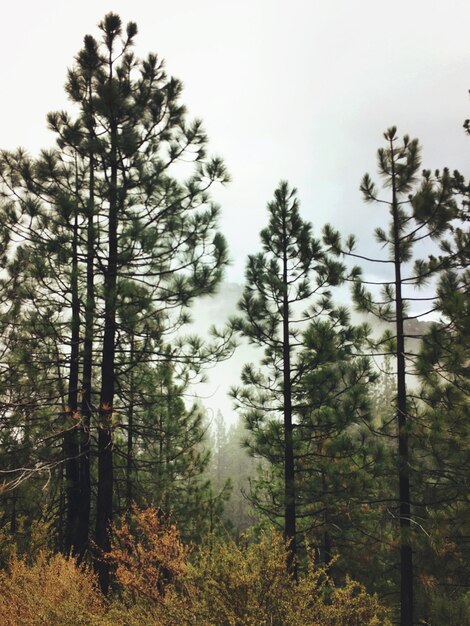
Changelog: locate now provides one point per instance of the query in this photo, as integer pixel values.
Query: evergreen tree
(240, 468)
(219, 456)
(426, 214)
(170, 453)
(43, 215)
(287, 310)
(133, 229)
(443, 368)
(230, 472)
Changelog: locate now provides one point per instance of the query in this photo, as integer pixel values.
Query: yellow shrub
(52, 591)
(226, 584)
(223, 584)
(149, 556)
(250, 586)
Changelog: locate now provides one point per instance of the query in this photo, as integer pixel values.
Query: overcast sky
(298, 90)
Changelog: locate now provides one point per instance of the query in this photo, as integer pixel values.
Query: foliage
(114, 236)
(419, 214)
(147, 556)
(231, 471)
(453, 611)
(221, 584)
(249, 585)
(229, 584)
(164, 460)
(106, 241)
(52, 590)
(443, 367)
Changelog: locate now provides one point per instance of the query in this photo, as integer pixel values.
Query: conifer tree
(45, 221)
(159, 232)
(425, 214)
(230, 472)
(81, 140)
(443, 370)
(285, 308)
(137, 230)
(170, 451)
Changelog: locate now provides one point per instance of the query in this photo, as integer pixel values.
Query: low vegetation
(159, 581)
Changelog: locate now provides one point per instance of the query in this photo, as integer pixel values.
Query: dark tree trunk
(13, 517)
(406, 556)
(104, 506)
(70, 444)
(326, 550)
(130, 433)
(289, 468)
(168, 472)
(326, 535)
(85, 486)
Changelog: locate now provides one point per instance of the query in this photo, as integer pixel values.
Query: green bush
(449, 611)
(249, 585)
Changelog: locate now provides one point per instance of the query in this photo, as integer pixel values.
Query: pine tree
(156, 232)
(443, 369)
(238, 468)
(128, 227)
(44, 218)
(170, 452)
(426, 214)
(292, 272)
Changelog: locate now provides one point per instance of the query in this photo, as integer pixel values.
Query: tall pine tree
(139, 227)
(287, 310)
(415, 217)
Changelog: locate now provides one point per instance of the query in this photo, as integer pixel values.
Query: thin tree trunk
(130, 433)
(326, 535)
(13, 517)
(104, 507)
(86, 407)
(168, 472)
(406, 555)
(289, 468)
(326, 550)
(70, 444)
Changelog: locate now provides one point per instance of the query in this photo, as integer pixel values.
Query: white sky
(298, 90)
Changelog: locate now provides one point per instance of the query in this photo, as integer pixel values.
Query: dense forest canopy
(340, 496)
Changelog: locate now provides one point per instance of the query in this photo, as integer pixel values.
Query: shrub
(226, 584)
(249, 585)
(51, 591)
(222, 584)
(150, 564)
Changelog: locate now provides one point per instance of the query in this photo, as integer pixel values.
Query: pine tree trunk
(13, 516)
(130, 433)
(406, 556)
(70, 445)
(104, 507)
(289, 468)
(326, 550)
(168, 471)
(326, 535)
(86, 408)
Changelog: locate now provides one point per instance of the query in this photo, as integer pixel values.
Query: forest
(341, 495)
